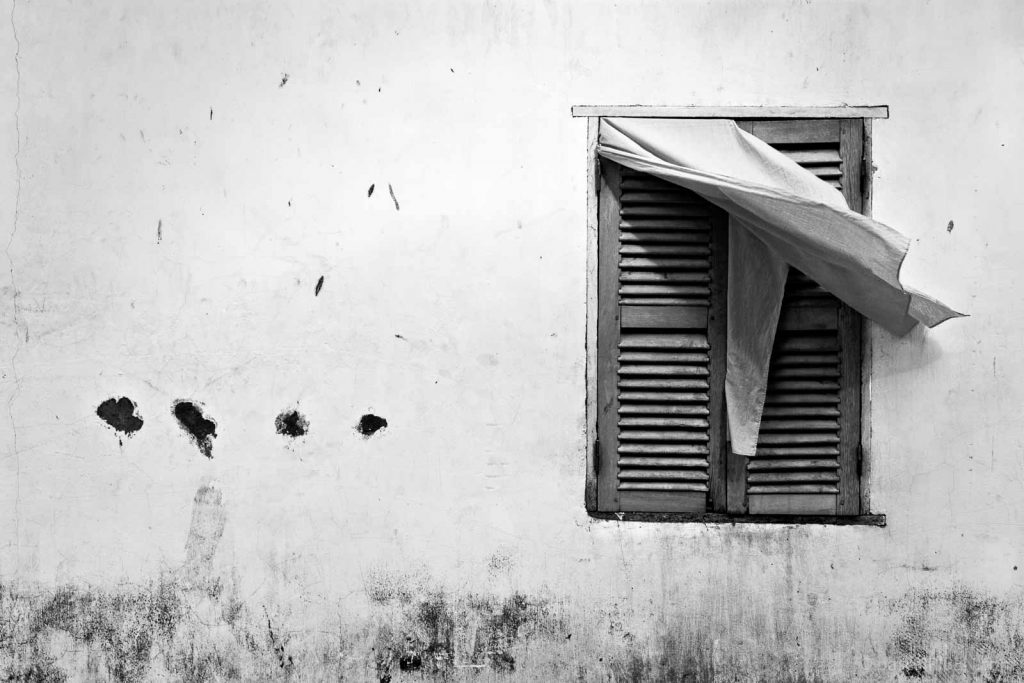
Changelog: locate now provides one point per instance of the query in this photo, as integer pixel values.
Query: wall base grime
(416, 630)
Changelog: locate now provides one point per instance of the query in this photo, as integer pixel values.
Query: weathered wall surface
(177, 179)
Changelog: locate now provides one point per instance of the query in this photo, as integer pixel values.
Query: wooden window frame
(863, 198)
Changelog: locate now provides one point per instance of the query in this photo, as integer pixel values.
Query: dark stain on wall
(122, 624)
(439, 634)
(197, 425)
(393, 197)
(369, 193)
(284, 80)
(319, 286)
(370, 424)
(957, 634)
(120, 413)
(291, 423)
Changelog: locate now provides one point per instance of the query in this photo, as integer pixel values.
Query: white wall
(475, 487)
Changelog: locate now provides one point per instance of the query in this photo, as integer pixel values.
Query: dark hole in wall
(410, 661)
(291, 423)
(201, 428)
(370, 424)
(120, 414)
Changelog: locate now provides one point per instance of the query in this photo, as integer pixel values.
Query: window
(661, 439)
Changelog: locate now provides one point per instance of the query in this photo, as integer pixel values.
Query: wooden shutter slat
(794, 488)
(645, 474)
(815, 156)
(798, 438)
(672, 224)
(649, 461)
(680, 435)
(808, 359)
(666, 236)
(761, 464)
(799, 411)
(655, 383)
(674, 211)
(653, 340)
(660, 317)
(803, 475)
(695, 370)
(669, 194)
(771, 425)
(663, 397)
(661, 357)
(661, 276)
(798, 131)
(798, 451)
(806, 371)
(663, 449)
(664, 409)
(662, 486)
(659, 290)
(696, 423)
(691, 263)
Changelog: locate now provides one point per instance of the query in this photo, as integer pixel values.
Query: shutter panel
(808, 447)
(660, 343)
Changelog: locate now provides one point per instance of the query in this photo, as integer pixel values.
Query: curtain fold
(781, 215)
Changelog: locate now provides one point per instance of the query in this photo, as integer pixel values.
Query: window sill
(720, 518)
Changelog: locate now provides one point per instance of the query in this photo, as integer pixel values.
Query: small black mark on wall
(319, 285)
(159, 230)
(202, 429)
(291, 423)
(393, 197)
(410, 661)
(949, 228)
(120, 414)
(370, 424)
(211, 113)
(369, 193)
(284, 80)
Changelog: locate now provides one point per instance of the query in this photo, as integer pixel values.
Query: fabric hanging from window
(780, 215)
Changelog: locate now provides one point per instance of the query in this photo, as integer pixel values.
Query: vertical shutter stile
(656, 393)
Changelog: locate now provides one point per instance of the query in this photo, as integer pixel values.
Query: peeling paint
(291, 423)
(198, 426)
(370, 424)
(121, 414)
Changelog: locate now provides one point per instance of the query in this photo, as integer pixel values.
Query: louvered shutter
(661, 350)
(808, 448)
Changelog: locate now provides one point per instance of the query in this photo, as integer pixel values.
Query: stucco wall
(176, 179)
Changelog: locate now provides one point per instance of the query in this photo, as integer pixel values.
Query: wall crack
(16, 307)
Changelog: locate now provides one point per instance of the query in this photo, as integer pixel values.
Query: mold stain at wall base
(291, 423)
(370, 424)
(200, 428)
(120, 413)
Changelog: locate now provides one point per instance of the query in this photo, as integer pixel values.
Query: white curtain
(780, 215)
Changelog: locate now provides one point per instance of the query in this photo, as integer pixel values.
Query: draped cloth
(780, 215)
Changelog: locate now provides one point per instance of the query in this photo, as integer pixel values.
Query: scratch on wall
(15, 293)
